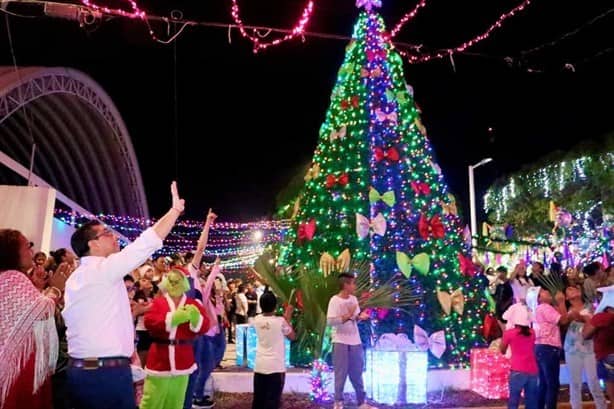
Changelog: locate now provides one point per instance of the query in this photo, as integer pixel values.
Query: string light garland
(135, 12)
(257, 41)
(568, 34)
(406, 18)
(415, 58)
(237, 244)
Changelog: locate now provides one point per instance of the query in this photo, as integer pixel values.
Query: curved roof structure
(82, 145)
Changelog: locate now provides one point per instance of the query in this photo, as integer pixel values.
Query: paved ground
(440, 400)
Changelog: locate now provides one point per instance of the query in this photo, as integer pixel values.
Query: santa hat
(184, 270)
(607, 300)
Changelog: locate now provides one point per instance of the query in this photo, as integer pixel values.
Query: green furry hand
(194, 314)
(179, 317)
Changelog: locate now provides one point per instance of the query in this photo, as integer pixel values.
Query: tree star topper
(367, 4)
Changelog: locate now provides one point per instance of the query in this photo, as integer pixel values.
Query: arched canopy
(82, 145)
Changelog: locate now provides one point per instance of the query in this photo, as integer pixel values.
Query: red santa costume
(171, 356)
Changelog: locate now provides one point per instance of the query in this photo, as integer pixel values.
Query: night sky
(247, 122)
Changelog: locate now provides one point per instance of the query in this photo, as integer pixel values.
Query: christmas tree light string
(238, 244)
(373, 182)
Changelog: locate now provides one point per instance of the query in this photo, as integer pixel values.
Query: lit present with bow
(246, 343)
(490, 371)
(396, 370)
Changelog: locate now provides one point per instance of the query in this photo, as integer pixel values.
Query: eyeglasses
(105, 232)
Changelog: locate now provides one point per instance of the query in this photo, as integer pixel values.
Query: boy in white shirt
(270, 367)
(348, 356)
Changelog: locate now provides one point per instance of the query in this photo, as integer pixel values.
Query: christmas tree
(375, 193)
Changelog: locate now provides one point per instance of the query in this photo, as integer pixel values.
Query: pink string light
(407, 17)
(135, 13)
(413, 59)
(298, 30)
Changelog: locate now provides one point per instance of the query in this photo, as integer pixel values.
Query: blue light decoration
(247, 342)
(396, 377)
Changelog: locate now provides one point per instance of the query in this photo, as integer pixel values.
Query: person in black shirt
(252, 301)
(504, 295)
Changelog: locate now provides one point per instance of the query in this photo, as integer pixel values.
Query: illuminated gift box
(490, 372)
(396, 374)
(246, 343)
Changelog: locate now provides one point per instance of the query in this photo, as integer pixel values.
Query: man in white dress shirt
(100, 330)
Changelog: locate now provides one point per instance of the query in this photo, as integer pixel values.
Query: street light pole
(474, 222)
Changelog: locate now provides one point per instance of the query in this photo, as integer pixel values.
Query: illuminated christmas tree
(375, 193)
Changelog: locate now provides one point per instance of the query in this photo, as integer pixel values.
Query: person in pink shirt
(548, 347)
(524, 372)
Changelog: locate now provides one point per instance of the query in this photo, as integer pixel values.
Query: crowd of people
(547, 317)
(82, 329)
(100, 327)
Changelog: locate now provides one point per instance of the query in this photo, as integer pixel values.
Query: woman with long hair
(520, 282)
(28, 337)
(524, 372)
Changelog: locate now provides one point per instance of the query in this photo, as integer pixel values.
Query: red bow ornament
(342, 180)
(432, 227)
(306, 231)
(351, 102)
(372, 55)
(390, 154)
(466, 265)
(421, 188)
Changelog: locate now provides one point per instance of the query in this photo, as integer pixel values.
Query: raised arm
(134, 254)
(164, 226)
(211, 279)
(566, 317)
(202, 240)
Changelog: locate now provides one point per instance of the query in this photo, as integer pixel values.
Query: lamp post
(474, 222)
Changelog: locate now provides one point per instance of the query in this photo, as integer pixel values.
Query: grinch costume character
(173, 321)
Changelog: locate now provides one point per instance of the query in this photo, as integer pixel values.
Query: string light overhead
(414, 58)
(406, 18)
(237, 244)
(257, 39)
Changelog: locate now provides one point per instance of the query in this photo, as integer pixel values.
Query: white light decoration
(246, 343)
(490, 371)
(541, 183)
(396, 377)
(257, 236)
(562, 176)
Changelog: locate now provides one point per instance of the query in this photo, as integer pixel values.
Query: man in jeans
(99, 327)
(548, 344)
(348, 357)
